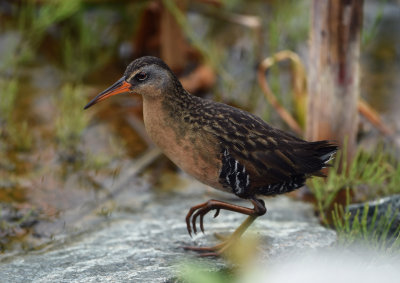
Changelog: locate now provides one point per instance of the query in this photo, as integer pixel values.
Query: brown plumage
(222, 146)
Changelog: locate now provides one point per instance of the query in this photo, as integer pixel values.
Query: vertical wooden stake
(334, 73)
(173, 42)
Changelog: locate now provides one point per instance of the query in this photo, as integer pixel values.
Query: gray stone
(387, 208)
(147, 246)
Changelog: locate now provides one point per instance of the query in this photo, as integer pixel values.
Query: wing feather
(270, 155)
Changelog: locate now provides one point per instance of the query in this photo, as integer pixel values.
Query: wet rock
(384, 209)
(147, 246)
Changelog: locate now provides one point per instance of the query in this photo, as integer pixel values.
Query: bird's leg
(220, 236)
(220, 248)
(202, 209)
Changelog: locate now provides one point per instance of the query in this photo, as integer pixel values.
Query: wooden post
(173, 42)
(334, 73)
(160, 34)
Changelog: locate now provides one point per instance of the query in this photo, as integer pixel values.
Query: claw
(204, 208)
(201, 223)
(216, 213)
(200, 212)
(194, 223)
(188, 216)
(188, 228)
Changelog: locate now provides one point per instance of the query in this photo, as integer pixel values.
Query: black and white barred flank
(284, 187)
(234, 175)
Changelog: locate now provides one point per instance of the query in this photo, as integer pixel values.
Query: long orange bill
(120, 86)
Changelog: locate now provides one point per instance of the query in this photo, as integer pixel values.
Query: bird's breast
(195, 152)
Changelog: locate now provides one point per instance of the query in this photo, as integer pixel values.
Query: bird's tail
(325, 151)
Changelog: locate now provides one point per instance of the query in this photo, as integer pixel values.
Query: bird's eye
(141, 76)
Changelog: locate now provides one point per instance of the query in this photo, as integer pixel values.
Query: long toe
(213, 251)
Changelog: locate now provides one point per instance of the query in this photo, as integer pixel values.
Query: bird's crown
(145, 61)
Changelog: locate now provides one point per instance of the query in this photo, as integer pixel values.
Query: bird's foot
(202, 209)
(199, 211)
(214, 251)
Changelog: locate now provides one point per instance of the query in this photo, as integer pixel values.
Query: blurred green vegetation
(8, 92)
(15, 133)
(70, 123)
(34, 21)
(369, 175)
(370, 33)
(374, 233)
(81, 52)
(200, 272)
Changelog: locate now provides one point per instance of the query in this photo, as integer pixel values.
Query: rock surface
(146, 246)
(387, 209)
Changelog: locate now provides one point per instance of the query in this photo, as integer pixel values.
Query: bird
(223, 147)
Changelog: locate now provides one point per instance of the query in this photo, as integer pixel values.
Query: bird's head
(147, 76)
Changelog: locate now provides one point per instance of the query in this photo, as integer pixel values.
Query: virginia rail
(222, 146)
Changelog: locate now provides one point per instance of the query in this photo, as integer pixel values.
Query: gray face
(148, 76)
(150, 81)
